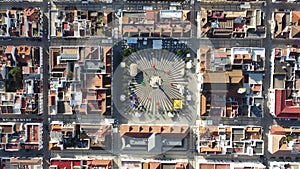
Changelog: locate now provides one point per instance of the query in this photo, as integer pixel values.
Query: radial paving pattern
(159, 80)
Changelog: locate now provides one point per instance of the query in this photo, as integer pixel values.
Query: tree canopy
(16, 73)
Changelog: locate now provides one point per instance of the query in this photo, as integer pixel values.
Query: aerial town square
(149, 84)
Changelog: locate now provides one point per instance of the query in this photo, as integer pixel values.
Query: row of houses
(89, 136)
(152, 23)
(284, 82)
(23, 23)
(79, 23)
(231, 24)
(80, 80)
(20, 79)
(16, 136)
(155, 23)
(245, 23)
(231, 81)
(89, 163)
(232, 86)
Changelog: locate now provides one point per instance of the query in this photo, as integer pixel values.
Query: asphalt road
(10, 5)
(267, 118)
(267, 43)
(44, 44)
(46, 136)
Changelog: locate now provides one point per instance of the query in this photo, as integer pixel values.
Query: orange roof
(295, 31)
(130, 29)
(23, 33)
(222, 166)
(165, 129)
(144, 129)
(145, 166)
(256, 87)
(9, 49)
(126, 128)
(203, 104)
(32, 161)
(7, 129)
(56, 127)
(105, 18)
(295, 16)
(152, 15)
(101, 162)
(155, 129)
(23, 50)
(277, 130)
(284, 52)
(207, 149)
(154, 165)
(181, 165)
(125, 20)
(98, 81)
(233, 77)
(33, 133)
(91, 96)
(32, 14)
(207, 166)
(253, 129)
(210, 128)
(220, 54)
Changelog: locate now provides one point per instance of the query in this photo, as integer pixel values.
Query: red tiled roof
(76, 163)
(23, 33)
(61, 164)
(154, 165)
(32, 14)
(66, 26)
(218, 14)
(239, 25)
(23, 105)
(152, 15)
(33, 133)
(51, 101)
(29, 30)
(8, 49)
(66, 164)
(282, 106)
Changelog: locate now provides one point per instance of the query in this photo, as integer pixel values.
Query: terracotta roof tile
(277, 130)
(220, 55)
(152, 15)
(282, 109)
(154, 165)
(9, 49)
(295, 16)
